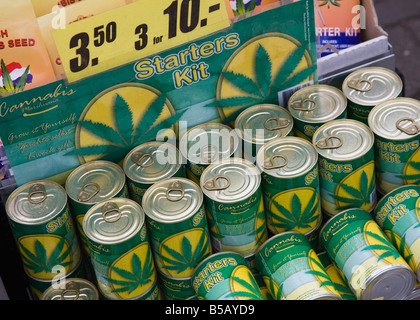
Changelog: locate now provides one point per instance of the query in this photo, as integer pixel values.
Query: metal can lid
(392, 282)
(317, 104)
(208, 142)
(95, 181)
(172, 200)
(343, 140)
(152, 161)
(396, 119)
(230, 180)
(371, 86)
(287, 157)
(36, 202)
(71, 289)
(113, 221)
(264, 122)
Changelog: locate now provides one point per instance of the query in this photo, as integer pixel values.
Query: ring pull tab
(142, 159)
(412, 129)
(209, 153)
(279, 123)
(299, 105)
(71, 292)
(35, 191)
(88, 191)
(270, 163)
(175, 191)
(326, 143)
(212, 185)
(110, 212)
(357, 84)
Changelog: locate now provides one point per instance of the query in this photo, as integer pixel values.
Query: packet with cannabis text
(24, 58)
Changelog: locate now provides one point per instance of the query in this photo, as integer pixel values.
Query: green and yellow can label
(225, 276)
(398, 214)
(292, 271)
(360, 249)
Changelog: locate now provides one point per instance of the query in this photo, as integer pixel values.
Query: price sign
(135, 31)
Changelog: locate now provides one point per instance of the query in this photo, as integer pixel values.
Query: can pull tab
(209, 153)
(359, 85)
(110, 212)
(276, 123)
(273, 163)
(214, 184)
(88, 191)
(71, 292)
(175, 191)
(327, 142)
(142, 159)
(299, 105)
(37, 194)
(412, 129)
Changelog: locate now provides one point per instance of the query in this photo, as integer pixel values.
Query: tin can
(396, 125)
(313, 106)
(260, 124)
(178, 229)
(336, 277)
(205, 144)
(176, 288)
(39, 286)
(346, 166)
(43, 227)
(398, 214)
(372, 266)
(234, 206)
(366, 88)
(336, 25)
(91, 183)
(119, 249)
(149, 163)
(225, 276)
(72, 289)
(415, 294)
(292, 271)
(290, 185)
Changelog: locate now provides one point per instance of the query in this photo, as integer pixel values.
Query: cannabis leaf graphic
(242, 8)
(333, 2)
(296, 218)
(318, 270)
(267, 85)
(140, 276)
(127, 134)
(252, 291)
(413, 176)
(400, 246)
(186, 259)
(358, 197)
(8, 86)
(39, 261)
(381, 244)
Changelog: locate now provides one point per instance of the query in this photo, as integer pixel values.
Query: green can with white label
(290, 185)
(292, 270)
(346, 166)
(234, 206)
(396, 125)
(398, 214)
(151, 162)
(371, 265)
(43, 228)
(225, 276)
(120, 251)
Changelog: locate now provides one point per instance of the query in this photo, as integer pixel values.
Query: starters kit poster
(50, 130)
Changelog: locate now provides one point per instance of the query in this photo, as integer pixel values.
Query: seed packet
(24, 58)
(70, 14)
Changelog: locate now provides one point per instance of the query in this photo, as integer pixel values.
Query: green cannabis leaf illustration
(8, 87)
(267, 85)
(328, 2)
(127, 134)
